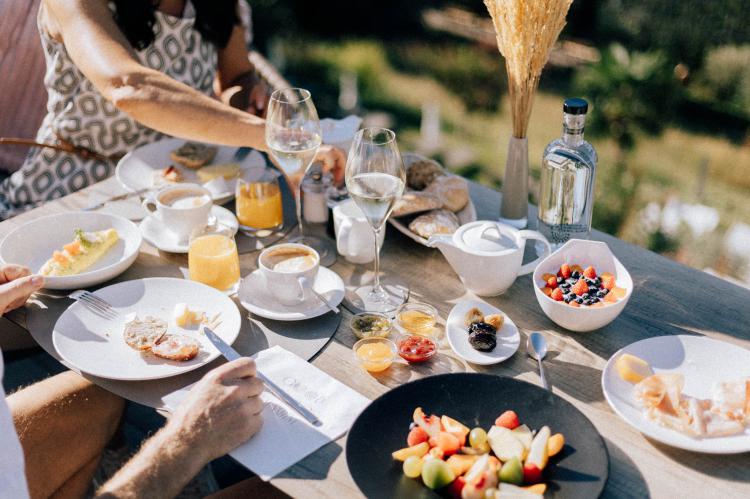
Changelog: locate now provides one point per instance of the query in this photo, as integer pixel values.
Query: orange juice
(259, 205)
(213, 260)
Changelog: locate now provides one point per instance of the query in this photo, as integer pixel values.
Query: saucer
(154, 231)
(254, 296)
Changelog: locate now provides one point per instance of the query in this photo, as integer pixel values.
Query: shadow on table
(315, 466)
(400, 373)
(732, 467)
(625, 480)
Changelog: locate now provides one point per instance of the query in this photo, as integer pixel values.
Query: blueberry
(568, 298)
(585, 296)
(605, 290)
(598, 280)
(579, 300)
(600, 293)
(594, 299)
(575, 275)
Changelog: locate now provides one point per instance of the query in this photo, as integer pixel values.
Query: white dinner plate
(508, 337)
(95, 345)
(256, 298)
(703, 361)
(466, 215)
(33, 243)
(156, 234)
(137, 168)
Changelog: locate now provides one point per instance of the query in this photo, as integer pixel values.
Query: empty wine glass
(375, 178)
(293, 136)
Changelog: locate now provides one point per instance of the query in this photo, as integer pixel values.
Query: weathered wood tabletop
(669, 298)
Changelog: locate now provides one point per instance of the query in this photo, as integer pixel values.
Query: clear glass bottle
(566, 190)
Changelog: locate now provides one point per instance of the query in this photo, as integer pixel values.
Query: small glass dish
(375, 354)
(371, 325)
(417, 318)
(416, 348)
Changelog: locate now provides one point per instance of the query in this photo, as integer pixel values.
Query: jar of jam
(416, 348)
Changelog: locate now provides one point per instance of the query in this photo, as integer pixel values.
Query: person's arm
(104, 56)
(222, 411)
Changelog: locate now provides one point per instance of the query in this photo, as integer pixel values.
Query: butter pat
(632, 369)
(184, 317)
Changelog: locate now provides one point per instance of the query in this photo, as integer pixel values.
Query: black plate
(579, 471)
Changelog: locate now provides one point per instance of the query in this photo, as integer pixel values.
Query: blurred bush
(725, 78)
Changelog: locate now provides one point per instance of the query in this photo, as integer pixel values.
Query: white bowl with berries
(582, 286)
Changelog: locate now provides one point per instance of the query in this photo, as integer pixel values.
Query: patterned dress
(79, 114)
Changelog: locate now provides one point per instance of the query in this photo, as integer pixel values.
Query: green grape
(484, 448)
(477, 438)
(413, 466)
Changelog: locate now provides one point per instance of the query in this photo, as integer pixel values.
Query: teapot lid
(488, 237)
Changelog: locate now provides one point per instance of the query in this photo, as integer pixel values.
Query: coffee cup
(181, 208)
(288, 270)
(355, 239)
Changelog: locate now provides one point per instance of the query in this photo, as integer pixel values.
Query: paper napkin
(286, 437)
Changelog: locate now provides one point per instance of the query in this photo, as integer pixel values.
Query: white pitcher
(355, 239)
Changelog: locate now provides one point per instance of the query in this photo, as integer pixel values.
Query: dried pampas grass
(526, 31)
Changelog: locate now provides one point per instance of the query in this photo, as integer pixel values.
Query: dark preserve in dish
(416, 348)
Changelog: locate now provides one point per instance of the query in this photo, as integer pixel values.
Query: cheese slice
(78, 256)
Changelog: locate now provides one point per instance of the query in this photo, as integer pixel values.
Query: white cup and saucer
(178, 210)
(279, 288)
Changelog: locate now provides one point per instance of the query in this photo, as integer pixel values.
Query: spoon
(536, 347)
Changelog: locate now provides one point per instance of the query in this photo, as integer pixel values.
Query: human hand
(16, 285)
(221, 411)
(258, 99)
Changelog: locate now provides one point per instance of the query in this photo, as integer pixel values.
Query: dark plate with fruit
(470, 400)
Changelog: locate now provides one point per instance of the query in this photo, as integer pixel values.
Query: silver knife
(231, 354)
(119, 197)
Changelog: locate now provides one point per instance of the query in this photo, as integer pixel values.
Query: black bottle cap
(575, 105)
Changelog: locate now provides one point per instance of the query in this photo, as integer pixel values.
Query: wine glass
(375, 179)
(293, 136)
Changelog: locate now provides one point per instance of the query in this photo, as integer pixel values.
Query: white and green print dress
(79, 114)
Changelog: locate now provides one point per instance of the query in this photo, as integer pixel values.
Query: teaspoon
(536, 347)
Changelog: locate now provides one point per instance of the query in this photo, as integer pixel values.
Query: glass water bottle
(566, 191)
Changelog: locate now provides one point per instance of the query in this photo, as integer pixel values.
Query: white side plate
(508, 337)
(702, 361)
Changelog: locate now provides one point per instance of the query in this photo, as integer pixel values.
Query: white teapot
(488, 256)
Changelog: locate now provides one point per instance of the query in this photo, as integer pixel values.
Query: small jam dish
(375, 354)
(416, 348)
(417, 318)
(370, 325)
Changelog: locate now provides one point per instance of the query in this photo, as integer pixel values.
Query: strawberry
(580, 287)
(565, 271)
(589, 272)
(552, 282)
(416, 436)
(531, 474)
(557, 294)
(508, 419)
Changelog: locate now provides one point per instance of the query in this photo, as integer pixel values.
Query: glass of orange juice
(258, 201)
(213, 258)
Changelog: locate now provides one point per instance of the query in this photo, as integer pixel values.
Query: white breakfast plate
(95, 345)
(137, 168)
(466, 215)
(508, 337)
(33, 243)
(156, 234)
(255, 297)
(703, 361)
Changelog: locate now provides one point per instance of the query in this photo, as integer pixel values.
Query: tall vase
(515, 202)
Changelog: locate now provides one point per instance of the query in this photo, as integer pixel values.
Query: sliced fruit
(618, 292)
(448, 443)
(552, 282)
(430, 425)
(413, 466)
(416, 436)
(546, 277)
(461, 463)
(589, 272)
(547, 291)
(580, 288)
(610, 298)
(436, 474)
(555, 444)
(456, 487)
(538, 454)
(471, 451)
(418, 450)
(608, 280)
(479, 467)
(512, 472)
(576, 268)
(565, 271)
(556, 294)
(531, 474)
(504, 444)
(632, 369)
(523, 433)
(452, 426)
(508, 419)
(437, 453)
(510, 491)
(539, 488)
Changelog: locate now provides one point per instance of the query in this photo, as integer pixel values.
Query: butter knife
(119, 197)
(230, 354)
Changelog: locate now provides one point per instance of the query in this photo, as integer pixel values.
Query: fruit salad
(578, 287)
(506, 461)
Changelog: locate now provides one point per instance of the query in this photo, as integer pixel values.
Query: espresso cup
(288, 270)
(355, 239)
(181, 208)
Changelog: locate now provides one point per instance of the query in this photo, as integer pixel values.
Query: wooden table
(669, 298)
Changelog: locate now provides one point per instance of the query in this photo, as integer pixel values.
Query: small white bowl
(33, 243)
(584, 253)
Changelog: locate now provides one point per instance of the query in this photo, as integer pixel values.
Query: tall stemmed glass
(293, 136)
(375, 178)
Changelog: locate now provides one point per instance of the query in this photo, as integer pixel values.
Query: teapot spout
(440, 240)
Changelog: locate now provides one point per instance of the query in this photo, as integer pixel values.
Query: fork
(95, 304)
